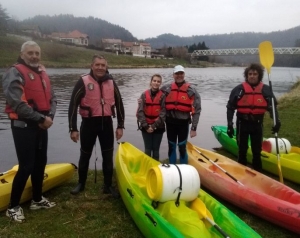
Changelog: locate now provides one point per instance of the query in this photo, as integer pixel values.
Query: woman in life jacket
(151, 116)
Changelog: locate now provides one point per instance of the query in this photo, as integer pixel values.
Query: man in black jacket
(251, 99)
(97, 96)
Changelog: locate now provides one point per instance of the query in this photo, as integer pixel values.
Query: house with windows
(113, 45)
(137, 48)
(74, 37)
(140, 49)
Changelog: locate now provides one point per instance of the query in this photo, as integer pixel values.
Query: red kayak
(247, 188)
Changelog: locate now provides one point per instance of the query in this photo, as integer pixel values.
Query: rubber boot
(108, 167)
(79, 188)
(83, 167)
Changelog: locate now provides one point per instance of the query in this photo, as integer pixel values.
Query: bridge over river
(244, 51)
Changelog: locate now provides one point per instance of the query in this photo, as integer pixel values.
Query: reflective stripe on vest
(252, 101)
(178, 98)
(98, 100)
(152, 107)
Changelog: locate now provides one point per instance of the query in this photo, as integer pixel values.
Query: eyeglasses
(179, 73)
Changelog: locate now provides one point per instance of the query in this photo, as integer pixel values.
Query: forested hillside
(285, 38)
(94, 27)
(97, 29)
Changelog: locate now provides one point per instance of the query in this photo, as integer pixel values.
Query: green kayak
(290, 163)
(165, 219)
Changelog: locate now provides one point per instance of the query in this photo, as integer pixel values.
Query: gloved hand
(276, 128)
(230, 130)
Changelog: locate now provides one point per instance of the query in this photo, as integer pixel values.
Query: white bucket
(269, 145)
(163, 182)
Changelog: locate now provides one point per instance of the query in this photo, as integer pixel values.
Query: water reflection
(213, 84)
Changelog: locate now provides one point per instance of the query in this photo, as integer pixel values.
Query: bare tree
(180, 52)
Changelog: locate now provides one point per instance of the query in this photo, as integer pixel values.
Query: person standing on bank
(97, 96)
(31, 106)
(251, 99)
(183, 107)
(151, 116)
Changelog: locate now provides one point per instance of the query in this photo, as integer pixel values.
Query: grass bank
(93, 214)
(289, 114)
(56, 55)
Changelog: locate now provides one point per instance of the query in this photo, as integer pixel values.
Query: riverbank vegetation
(57, 55)
(289, 114)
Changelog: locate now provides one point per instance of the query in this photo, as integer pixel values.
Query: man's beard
(34, 65)
(31, 64)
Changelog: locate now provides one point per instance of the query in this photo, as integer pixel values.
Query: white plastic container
(269, 145)
(163, 182)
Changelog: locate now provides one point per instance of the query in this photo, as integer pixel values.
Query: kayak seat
(234, 170)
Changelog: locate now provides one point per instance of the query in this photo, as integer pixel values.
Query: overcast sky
(150, 18)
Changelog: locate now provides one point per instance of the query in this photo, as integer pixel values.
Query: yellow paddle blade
(266, 55)
(199, 206)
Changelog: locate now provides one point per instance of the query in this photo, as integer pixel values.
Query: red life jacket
(152, 108)
(252, 101)
(178, 98)
(97, 101)
(36, 90)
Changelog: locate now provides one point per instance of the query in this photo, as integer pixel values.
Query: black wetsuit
(249, 125)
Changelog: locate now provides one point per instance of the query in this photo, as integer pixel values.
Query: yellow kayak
(166, 219)
(55, 174)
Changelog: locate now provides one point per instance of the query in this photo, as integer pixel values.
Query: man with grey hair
(30, 105)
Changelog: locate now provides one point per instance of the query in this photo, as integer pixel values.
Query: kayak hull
(168, 220)
(290, 163)
(258, 194)
(55, 174)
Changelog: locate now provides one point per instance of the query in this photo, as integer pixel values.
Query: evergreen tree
(3, 20)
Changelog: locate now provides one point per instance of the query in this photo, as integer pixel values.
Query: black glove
(230, 131)
(276, 128)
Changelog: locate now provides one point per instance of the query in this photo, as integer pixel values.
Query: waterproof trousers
(31, 144)
(177, 132)
(152, 143)
(254, 130)
(91, 129)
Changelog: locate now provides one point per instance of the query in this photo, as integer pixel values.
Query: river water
(213, 84)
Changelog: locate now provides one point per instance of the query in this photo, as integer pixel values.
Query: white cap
(178, 68)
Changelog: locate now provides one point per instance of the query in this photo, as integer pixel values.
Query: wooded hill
(97, 29)
(286, 38)
(94, 27)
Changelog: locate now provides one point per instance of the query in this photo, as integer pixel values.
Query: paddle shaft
(217, 227)
(266, 56)
(276, 134)
(218, 166)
